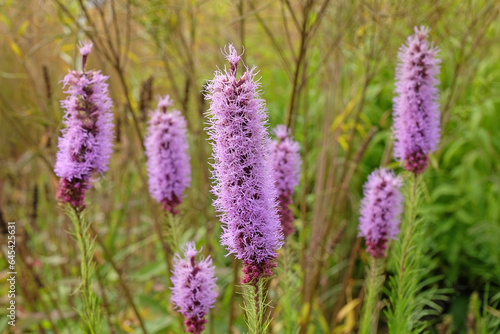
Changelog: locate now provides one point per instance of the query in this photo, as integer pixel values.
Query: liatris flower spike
(86, 142)
(416, 107)
(167, 155)
(194, 289)
(285, 159)
(244, 185)
(380, 210)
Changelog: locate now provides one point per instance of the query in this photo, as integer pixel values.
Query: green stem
(255, 306)
(162, 231)
(121, 280)
(173, 232)
(373, 287)
(409, 232)
(91, 311)
(232, 310)
(404, 286)
(258, 294)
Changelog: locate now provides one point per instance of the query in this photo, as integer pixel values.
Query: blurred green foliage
(349, 67)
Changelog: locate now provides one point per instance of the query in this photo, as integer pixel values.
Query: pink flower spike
(380, 210)
(194, 289)
(416, 107)
(244, 189)
(86, 143)
(169, 171)
(285, 160)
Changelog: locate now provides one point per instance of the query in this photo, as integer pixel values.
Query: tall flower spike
(86, 142)
(167, 155)
(380, 210)
(244, 187)
(285, 159)
(194, 289)
(416, 106)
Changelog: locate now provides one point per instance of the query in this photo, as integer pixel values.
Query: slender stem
(164, 245)
(410, 230)
(257, 291)
(373, 287)
(258, 294)
(405, 286)
(345, 281)
(129, 104)
(292, 13)
(289, 325)
(241, 12)
(317, 262)
(105, 302)
(121, 280)
(233, 295)
(90, 313)
(274, 40)
(295, 88)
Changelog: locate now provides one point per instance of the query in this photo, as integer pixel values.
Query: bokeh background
(327, 70)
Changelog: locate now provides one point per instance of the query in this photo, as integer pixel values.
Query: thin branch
(276, 45)
(292, 12)
(121, 280)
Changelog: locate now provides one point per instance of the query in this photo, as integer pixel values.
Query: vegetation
(327, 71)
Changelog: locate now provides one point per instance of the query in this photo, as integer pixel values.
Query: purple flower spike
(244, 184)
(380, 210)
(194, 288)
(167, 153)
(285, 159)
(86, 142)
(416, 107)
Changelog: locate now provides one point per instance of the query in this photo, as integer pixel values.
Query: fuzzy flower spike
(168, 165)
(194, 289)
(416, 107)
(242, 172)
(380, 210)
(285, 159)
(86, 142)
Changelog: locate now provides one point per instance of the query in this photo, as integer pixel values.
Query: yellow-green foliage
(327, 68)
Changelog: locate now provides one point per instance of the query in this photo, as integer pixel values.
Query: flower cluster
(242, 171)
(167, 154)
(381, 208)
(86, 142)
(194, 289)
(285, 160)
(416, 107)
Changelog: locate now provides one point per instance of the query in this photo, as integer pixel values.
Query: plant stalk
(373, 287)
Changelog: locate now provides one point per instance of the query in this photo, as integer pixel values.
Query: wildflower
(380, 210)
(167, 155)
(194, 288)
(244, 187)
(285, 159)
(86, 142)
(416, 107)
